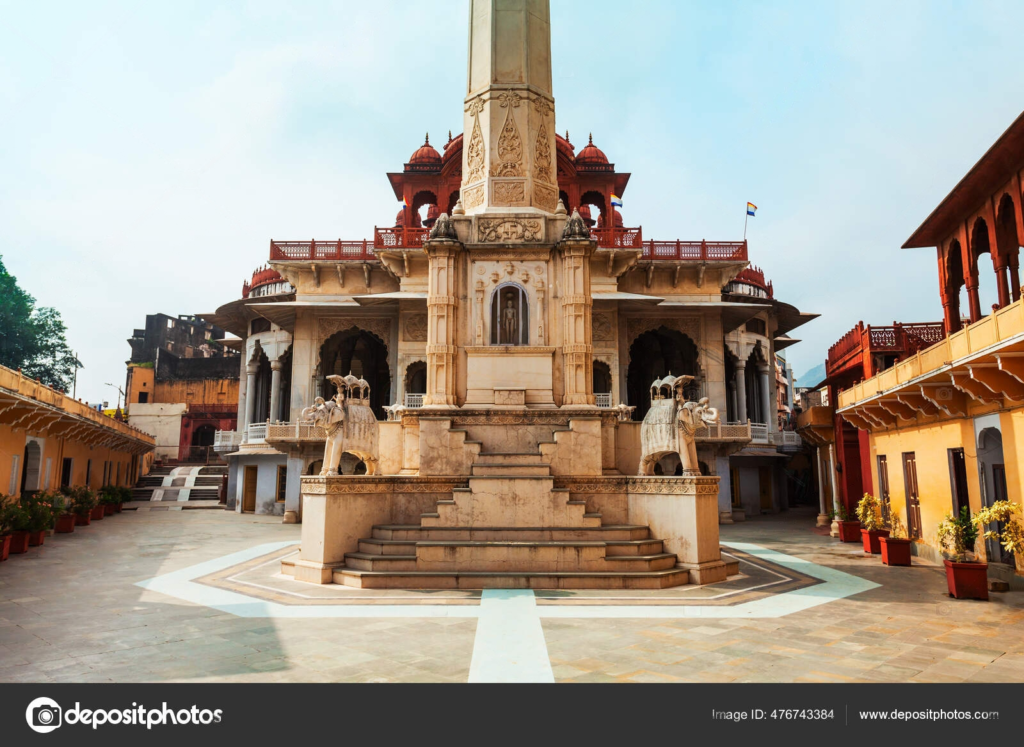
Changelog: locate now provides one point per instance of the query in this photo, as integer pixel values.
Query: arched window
(510, 316)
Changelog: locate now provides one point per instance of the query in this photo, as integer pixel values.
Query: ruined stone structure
(509, 326)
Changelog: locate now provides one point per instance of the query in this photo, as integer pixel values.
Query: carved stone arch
(411, 373)
(357, 339)
(690, 326)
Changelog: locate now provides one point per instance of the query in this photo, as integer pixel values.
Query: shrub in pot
(108, 497)
(19, 528)
(40, 517)
(6, 523)
(872, 524)
(1005, 513)
(64, 518)
(849, 529)
(84, 501)
(896, 545)
(965, 577)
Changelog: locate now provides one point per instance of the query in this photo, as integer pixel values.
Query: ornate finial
(458, 209)
(591, 138)
(575, 228)
(567, 136)
(443, 229)
(426, 140)
(560, 210)
(449, 136)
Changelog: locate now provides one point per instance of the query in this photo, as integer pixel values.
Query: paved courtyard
(196, 595)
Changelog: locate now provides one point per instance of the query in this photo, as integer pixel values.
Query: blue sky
(150, 151)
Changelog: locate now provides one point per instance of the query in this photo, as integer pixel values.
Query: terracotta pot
(19, 542)
(870, 539)
(35, 539)
(96, 513)
(82, 520)
(108, 509)
(65, 524)
(5, 546)
(849, 531)
(895, 551)
(967, 580)
(117, 508)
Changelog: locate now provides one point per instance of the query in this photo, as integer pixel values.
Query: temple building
(507, 306)
(182, 386)
(934, 423)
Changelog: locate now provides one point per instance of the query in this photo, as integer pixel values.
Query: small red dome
(400, 218)
(591, 155)
(433, 213)
(426, 154)
(565, 147)
(585, 215)
(453, 146)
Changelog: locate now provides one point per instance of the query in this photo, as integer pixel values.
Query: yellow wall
(140, 379)
(12, 442)
(205, 392)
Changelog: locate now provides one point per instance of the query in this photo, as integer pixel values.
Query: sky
(149, 152)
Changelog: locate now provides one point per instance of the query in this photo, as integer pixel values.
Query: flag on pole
(751, 208)
(616, 201)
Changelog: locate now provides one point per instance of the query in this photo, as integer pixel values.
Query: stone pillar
(741, 391)
(442, 299)
(577, 306)
(999, 264)
(822, 508)
(973, 302)
(790, 393)
(766, 395)
(1014, 276)
(732, 398)
(250, 393)
(509, 120)
(724, 489)
(275, 390)
(835, 486)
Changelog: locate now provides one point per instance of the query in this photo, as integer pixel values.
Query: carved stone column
(741, 391)
(275, 390)
(766, 395)
(442, 299)
(250, 393)
(577, 335)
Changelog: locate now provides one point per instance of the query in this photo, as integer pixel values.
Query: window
(14, 474)
(88, 470)
(913, 498)
(65, 472)
(958, 479)
(118, 474)
(282, 483)
(883, 486)
(757, 327)
(259, 325)
(170, 324)
(510, 316)
(143, 398)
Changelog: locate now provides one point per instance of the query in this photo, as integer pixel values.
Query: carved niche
(416, 328)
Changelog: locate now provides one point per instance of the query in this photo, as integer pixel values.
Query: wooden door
(764, 476)
(913, 497)
(883, 486)
(249, 489)
(958, 479)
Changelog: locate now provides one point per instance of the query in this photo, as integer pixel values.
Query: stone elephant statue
(349, 422)
(671, 424)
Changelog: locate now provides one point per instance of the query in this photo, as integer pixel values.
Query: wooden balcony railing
(706, 251)
(323, 251)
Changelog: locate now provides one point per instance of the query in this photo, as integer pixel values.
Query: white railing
(723, 432)
(759, 433)
(299, 431)
(603, 400)
(414, 401)
(227, 441)
(256, 433)
(788, 439)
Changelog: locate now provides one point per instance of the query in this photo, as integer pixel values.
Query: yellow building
(947, 424)
(49, 440)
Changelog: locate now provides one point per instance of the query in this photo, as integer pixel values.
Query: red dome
(591, 155)
(453, 146)
(433, 213)
(585, 215)
(565, 147)
(400, 219)
(426, 154)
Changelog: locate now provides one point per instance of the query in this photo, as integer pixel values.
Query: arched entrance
(602, 378)
(993, 471)
(362, 354)
(31, 473)
(415, 383)
(655, 354)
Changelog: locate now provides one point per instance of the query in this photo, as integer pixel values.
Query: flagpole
(746, 217)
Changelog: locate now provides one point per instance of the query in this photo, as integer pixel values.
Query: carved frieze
(545, 197)
(510, 194)
(416, 328)
(475, 155)
(602, 326)
(473, 197)
(509, 230)
(542, 159)
(510, 143)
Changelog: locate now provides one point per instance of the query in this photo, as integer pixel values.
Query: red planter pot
(117, 508)
(82, 520)
(97, 513)
(895, 551)
(5, 546)
(849, 531)
(870, 539)
(967, 580)
(108, 509)
(19, 543)
(65, 524)
(35, 539)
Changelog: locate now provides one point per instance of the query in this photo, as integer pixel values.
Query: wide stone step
(617, 548)
(491, 469)
(417, 533)
(532, 557)
(471, 580)
(369, 562)
(508, 457)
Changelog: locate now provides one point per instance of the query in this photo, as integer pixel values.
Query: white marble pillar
(250, 393)
(822, 508)
(741, 391)
(766, 395)
(275, 390)
(835, 486)
(724, 489)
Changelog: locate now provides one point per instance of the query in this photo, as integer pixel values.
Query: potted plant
(97, 511)
(64, 518)
(1003, 513)
(19, 528)
(6, 522)
(965, 577)
(84, 502)
(109, 495)
(849, 530)
(872, 524)
(40, 517)
(896, 545)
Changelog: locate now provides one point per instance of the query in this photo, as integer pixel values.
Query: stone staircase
(512, 529)
(171, 479)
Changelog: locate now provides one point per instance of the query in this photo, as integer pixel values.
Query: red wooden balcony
(705, 251)
(323, 251)
(901, 340)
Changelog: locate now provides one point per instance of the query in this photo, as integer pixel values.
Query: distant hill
(812, 377)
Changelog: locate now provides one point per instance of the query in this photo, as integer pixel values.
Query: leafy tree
(33, 339)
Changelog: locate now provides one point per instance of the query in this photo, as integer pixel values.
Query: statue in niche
(509, 321)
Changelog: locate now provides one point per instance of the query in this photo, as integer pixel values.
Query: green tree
(33, 339)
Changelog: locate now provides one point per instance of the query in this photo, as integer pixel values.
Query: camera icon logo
(44, 715)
